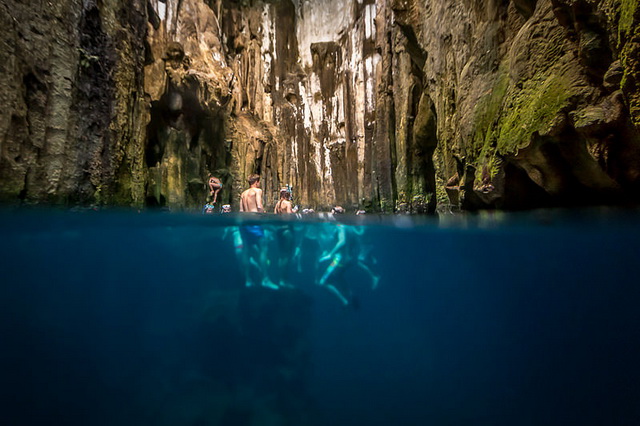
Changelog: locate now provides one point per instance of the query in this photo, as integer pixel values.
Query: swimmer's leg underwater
(334, 273)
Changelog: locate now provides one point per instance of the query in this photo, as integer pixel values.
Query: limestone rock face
(529, 104)
(387, 105)
(73, 114)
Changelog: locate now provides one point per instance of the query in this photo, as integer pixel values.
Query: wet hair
(284, 192)
(253, 179)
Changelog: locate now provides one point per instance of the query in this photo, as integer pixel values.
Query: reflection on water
(178, 319)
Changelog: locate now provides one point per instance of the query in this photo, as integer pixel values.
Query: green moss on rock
(533, 110)
(627, 12)
(487, 110)
(628, 36)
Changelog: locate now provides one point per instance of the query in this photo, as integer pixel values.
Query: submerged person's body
(363, 255)
(337, 264)
(346, 252)
(284, 237)
(253, 236)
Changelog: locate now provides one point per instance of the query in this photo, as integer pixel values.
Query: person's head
(337, 210)
(285, 194)
(226, 208)
(254, 180)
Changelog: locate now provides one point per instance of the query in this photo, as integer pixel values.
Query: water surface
(122, 318)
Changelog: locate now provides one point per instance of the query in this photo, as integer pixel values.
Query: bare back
(251, 200)
(283, 207)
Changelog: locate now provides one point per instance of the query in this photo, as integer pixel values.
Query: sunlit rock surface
(398, 105)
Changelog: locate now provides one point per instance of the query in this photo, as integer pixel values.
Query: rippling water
(118, 318)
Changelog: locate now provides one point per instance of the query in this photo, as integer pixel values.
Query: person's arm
(259, 200)
(241, 204)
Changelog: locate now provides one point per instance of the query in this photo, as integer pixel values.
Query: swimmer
(208, 208)
(284, 206)
(251, 199)
(332, 278)
(214, 188)
(253, 236)
(284, 237)
(346, 252)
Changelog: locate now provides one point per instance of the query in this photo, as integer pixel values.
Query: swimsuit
(251, 233)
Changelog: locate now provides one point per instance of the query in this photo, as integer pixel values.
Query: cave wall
(187, 82)
(533, 91)
(73, 111)
(388, 105)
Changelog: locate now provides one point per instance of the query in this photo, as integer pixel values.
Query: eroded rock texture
(391, 105)
(531, 120)
(73, 112)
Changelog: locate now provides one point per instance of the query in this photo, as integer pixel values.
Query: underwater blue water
(123, 318)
